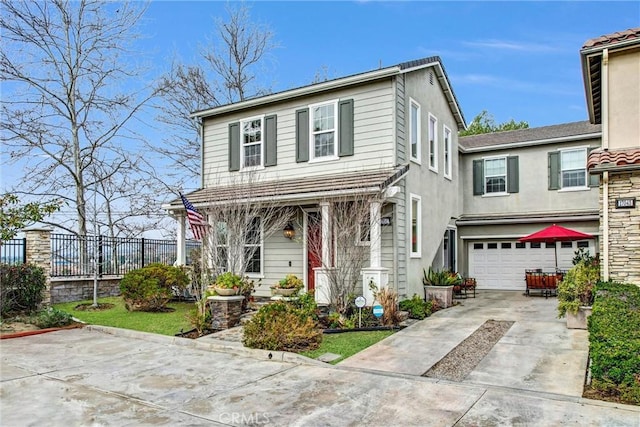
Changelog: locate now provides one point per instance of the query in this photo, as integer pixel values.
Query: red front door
(314, 245)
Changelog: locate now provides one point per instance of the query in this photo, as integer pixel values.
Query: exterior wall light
(289, 232)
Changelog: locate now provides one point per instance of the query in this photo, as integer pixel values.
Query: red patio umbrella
(555, 233)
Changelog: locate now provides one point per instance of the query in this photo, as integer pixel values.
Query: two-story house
(611, 72)
(391, 132)
(518, 182)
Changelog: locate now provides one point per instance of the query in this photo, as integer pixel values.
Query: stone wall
(624, 228)
(77, 289)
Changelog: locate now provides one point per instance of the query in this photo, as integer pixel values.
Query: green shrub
(417, 307)
(576, 289)
(22, 287)
(228, 280)
(52, 318)
(282, 326)
(614, 341)
(150, 288)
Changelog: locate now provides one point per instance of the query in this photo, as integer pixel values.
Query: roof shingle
(564, 130)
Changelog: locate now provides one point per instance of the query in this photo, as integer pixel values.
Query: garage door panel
(503, 267)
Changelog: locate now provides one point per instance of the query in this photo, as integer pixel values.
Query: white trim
(584, 148)
(336, 136)
(448, 149)
(506, 176)
(302, 91)
(418, 253)
(418, 157)
(260, 247)
(242, 145)
(433, 166)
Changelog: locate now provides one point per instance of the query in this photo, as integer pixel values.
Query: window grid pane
(323, 122)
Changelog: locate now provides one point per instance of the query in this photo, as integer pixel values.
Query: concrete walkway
(538, 353)
(106, 376)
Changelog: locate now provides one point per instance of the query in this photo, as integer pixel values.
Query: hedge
(614, 341)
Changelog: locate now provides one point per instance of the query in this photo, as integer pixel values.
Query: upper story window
(448, 159)
(415, 218)
(573, 167)
(252, 138)
(433, 143)
(414, 133)
(323, 126)
(495, 175)
(568, 170)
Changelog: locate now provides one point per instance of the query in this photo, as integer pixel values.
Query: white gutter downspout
(604, 96)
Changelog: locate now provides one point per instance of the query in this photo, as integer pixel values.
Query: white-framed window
(364, 231)
(415, 218)
(251, 251)
(573, 168)
(253, 247)
(433, 143)
(448, 155)
(495, 175)
(414, 131)
(323, 126)
(252, 142)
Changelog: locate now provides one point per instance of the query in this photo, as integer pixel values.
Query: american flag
(196, 219)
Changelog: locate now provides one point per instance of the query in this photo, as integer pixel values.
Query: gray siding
(533, 195)
(278, 252)
(373, 136)
(439, 194)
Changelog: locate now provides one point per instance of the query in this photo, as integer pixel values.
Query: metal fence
(73, 255)
(13, 251)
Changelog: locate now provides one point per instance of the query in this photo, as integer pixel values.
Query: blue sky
(515, 59)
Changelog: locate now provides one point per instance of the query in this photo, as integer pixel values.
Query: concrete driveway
(106, 376)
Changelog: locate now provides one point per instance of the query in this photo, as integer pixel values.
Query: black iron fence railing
(13, 251)
(73, 255)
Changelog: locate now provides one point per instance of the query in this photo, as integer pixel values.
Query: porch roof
(296, 190)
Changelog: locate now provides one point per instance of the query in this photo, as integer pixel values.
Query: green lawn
(118, 316)
(347, 343)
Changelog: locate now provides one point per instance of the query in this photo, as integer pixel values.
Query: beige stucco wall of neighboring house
(624, 228)
(438, 194)
(373, 136)
(624, 99)
(534, 195)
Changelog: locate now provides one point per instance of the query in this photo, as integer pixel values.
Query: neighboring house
(390, 132)
(515, 183)
(611, 71)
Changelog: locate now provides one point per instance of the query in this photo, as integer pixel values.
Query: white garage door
(500, 265)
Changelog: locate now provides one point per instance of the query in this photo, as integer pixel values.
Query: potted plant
(288, 286)
(439, 285)
(227, 284)
(575, 293)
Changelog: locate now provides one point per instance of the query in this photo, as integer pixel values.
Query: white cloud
(508, 84)
(512, 45)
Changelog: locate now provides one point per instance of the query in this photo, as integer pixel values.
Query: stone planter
(444, 294)
(284, 292)
(579, 319)
(226, 292)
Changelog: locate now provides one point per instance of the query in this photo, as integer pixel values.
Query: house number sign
(629, 203)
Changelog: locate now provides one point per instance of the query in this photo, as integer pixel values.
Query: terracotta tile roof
(609, 39)
(506, 138)
(297, 189)
(609, 159)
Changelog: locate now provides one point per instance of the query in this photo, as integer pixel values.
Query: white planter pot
(579, 319)
(444, 294)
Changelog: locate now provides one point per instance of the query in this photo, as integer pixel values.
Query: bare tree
(69, 96)
(240, 221)
(242, 45)
(226, 72)
(349, 249)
